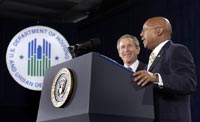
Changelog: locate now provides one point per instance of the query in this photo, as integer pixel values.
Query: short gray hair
(134, 39)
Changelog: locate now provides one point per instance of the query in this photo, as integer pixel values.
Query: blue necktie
(129, 68)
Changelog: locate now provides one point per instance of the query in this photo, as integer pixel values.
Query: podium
(103, 91)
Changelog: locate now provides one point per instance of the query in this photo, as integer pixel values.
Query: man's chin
(128, 61)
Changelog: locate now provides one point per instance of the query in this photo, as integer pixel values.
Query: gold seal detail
(62, 87)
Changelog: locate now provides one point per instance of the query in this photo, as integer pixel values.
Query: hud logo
(32, 51)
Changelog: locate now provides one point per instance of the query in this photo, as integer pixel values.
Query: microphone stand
(72, 52)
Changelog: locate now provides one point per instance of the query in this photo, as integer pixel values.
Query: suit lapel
(141, 66)
(160, 55)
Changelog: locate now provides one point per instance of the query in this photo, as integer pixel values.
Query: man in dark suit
(128, 48)
(172, 72)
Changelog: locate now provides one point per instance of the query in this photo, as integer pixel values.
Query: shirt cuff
(160, 81)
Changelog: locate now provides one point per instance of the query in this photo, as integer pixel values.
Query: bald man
(172, 72)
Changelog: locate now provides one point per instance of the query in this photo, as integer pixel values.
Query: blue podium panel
(103, 91)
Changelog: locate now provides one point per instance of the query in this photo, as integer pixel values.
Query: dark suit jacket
(172, 101)
(141, 66)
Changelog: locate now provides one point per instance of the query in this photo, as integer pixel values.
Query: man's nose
(141, 34)
(126, 48)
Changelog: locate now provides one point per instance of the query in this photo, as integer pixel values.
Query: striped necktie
(151, 59)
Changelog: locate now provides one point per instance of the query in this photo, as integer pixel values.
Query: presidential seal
(32, 51)
(62, 87)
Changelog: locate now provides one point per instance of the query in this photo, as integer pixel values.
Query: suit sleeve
(179, 76)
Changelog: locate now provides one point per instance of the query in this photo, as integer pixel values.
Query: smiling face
(128, 50)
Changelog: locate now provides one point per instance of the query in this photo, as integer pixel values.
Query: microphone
(83, 47)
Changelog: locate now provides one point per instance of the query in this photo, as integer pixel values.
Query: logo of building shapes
(32, 51)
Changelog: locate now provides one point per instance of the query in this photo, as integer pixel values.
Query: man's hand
(143, 77)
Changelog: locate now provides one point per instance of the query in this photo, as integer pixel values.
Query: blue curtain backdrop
(129, 18)
(22, 104)
(16, 102)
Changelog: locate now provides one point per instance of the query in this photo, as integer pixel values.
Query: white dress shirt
(156, 51)
(133, 66)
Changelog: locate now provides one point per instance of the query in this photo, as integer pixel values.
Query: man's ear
(138, 50)
(159, 31)
(119, 54)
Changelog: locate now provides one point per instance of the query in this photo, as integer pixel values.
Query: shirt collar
(133, 66)
(159, 47)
